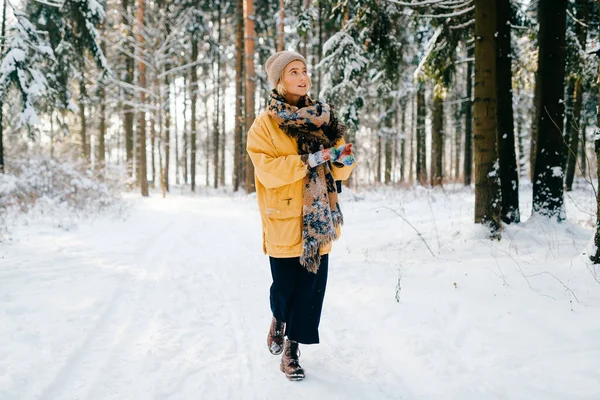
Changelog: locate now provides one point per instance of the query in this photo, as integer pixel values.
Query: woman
(298, 151)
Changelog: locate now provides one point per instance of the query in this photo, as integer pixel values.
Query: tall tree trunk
(280, 42)
(437, 137)
(413, 134)
(142, 122)
(487, 187)
(319, 52)
(468, 105)
(158, 122)
(379, 160)
(596, 256)
(2, 40)
(207, 142)
(223, 143)
(548, 197)
(176, 133)
(194, 94)
(534, 125)
(574, 127)
(519, 133)
(167, 111)
(421, 139)
(153, 147)
(509, 174)
(458, 115)
(129, 76)
(403, 142)
(388, 159)
(83, 131)
(216, 126)
(250, 83)
(238, 153)
(581, 33)
(569, 103)
(583, 152)
(101, 155)
(186, 142)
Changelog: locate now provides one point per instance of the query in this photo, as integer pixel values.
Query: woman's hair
(281, 87)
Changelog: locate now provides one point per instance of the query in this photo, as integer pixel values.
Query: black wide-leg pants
(297, 297)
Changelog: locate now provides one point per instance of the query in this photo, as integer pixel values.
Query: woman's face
(295, 79)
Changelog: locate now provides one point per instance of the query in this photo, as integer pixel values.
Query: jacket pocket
(283, 232)
(285, 202)
(283, 222)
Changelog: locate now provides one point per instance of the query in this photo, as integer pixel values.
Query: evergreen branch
(50, 3)
(434, 3)
(451, 15)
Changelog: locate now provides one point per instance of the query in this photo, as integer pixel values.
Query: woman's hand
(345, 157)
(341, 155)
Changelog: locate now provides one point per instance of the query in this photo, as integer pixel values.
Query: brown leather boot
(275, 337)
(290, 364)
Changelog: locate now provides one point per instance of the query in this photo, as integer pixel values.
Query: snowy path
(173, 304)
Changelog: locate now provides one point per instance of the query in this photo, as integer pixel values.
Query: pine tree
(487, 188)
(548, 174)
(509, 177)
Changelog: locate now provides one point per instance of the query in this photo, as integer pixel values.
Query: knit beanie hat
(278, 61)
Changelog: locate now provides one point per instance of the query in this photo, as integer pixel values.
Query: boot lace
(278, 330)
(293, 352)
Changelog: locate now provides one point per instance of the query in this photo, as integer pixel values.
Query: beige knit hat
(278, 61)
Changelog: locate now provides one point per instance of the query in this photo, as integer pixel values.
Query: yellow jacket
(279, 173)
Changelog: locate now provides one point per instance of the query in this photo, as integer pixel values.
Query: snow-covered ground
(172, 303)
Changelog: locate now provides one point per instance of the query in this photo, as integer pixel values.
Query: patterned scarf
(315, 127)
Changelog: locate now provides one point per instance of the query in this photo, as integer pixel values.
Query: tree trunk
(83, 131)
(2, 40)
(223, 143)
(534, 125)
(207, 142)
(176, 134)
(102, 128)
(468, 105)
(238, 153)
(583, 153)
(569, 103)
(421, 139)
(167, 110)
(519, 133)
(378, 156)
(574, 139)
(548, 176)
(129, 76)
(216, 120)
(319, 54)
(388, 159)
(413, 134)
(281, 43)
(186, 142)
(437, 137)
(153, 149)
(509, 174)
(487, 187)
(250, 84)
(403, 142)
(596, 256)
(194, 94)
(458, 115)
(142, 83)
(581, 33)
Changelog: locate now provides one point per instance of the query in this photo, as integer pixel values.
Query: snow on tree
(23, 67)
